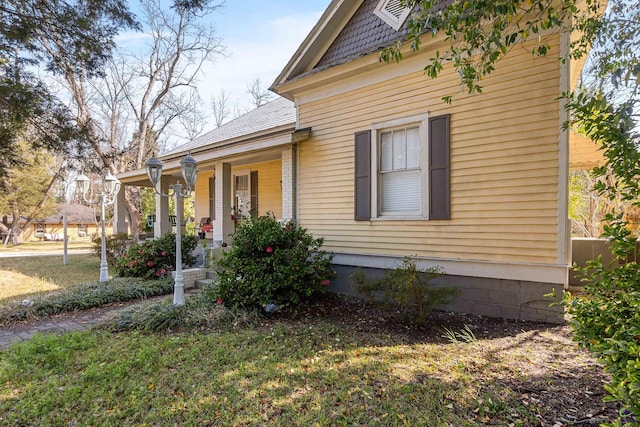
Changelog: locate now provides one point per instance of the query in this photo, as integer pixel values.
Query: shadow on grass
(295, 373)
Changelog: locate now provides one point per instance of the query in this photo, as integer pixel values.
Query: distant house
(81, 222)
(375, 162)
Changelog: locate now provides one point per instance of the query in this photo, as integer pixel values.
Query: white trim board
(556, 274)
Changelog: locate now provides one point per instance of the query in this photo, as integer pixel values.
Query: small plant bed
(83, 297)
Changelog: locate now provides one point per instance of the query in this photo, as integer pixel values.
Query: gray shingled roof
(364, 33)
(274, 114)
(76, 214)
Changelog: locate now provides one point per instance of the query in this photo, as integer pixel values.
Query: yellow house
(246, 165)
(81, 223)
(478, 187)
(372, 160)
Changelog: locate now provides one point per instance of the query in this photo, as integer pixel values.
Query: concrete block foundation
(499, 298)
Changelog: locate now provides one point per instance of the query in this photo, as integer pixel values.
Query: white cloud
(261, 53)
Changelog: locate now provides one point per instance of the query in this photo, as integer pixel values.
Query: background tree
(85, 29)
(29, 190)
(220, 107)
(260, 96)
(129, 114)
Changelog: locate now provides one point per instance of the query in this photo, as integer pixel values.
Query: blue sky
(260, 38)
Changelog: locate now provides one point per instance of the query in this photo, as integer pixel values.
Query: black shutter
(254, 192)
(363, 176)
(212, 198)
(439, 199)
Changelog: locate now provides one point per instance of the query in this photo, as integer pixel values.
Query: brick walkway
(69, 322)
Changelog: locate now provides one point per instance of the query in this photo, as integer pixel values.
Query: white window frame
(240, 172)
(422, 121)
(394, 21)
(40, 229)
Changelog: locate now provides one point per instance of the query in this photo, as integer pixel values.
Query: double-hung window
(402, 169)
(399, 172)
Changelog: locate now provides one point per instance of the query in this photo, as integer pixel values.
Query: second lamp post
(189, 168)
(110, 189)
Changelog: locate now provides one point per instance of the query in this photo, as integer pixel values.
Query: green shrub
(116, 244)
(407, 287)
(154, 259)
(84, 297)
(270, 262)
(605, 319)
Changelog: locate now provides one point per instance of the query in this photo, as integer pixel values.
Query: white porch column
(223, 226)
(120, 213)
(289, 183)
(162, 225)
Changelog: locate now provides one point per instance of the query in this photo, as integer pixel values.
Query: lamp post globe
(154, 170)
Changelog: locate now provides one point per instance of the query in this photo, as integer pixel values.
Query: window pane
(401, 191)
(413, 148)
(386, 152)
(242, 185)
(399, 150)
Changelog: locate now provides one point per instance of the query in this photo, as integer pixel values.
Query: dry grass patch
(22, 277)
(46, 247)
(14, 284)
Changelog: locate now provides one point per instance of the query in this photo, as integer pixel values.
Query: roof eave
(171, 162)
(317, 41)
(287, 128)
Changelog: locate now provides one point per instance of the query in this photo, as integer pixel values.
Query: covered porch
(245, 166)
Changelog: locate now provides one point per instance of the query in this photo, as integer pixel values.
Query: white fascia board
(564, 225)
(228, 150)
(317, 41)
(543, 273)
(266, 133)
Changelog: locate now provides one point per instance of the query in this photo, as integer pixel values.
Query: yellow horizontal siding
(202, 197)
(504, 164)
(269, 189)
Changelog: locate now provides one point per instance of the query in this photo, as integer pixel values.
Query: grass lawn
(330, 366)
(46, 247)
(22, 277)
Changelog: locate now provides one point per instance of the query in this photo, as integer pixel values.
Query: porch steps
(210, 277)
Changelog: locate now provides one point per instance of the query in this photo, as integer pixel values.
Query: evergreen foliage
(271, 263)
(406, 287)
(154, 259)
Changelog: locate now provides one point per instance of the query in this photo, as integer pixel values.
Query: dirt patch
(542, 368)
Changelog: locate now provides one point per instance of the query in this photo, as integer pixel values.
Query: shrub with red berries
(272, 262)
(154, 259)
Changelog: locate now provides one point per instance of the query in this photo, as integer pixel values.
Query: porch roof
(272, 122)
(276, 113)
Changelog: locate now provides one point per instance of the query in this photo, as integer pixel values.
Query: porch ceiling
(583, 153)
